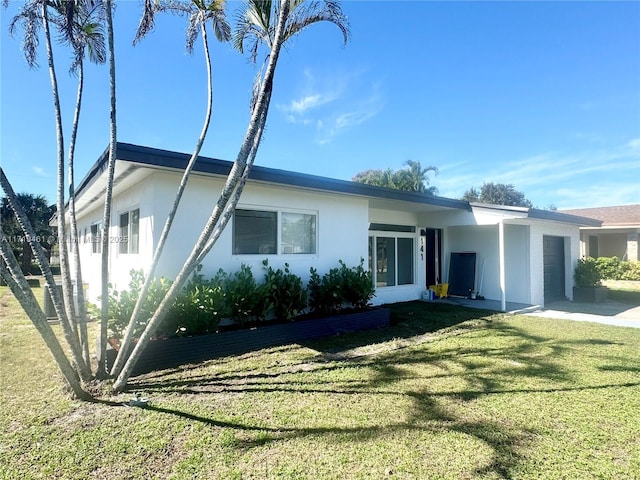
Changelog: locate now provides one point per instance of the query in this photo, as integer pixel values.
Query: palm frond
(28, 17)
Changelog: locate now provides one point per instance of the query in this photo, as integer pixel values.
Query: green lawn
(625, 291)
(447, 392)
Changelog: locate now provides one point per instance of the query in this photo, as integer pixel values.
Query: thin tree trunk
(18, 285)
(106, 220)
(125, 346)
(75, 237)
(41, 257)
(250, 142)
(67, 289)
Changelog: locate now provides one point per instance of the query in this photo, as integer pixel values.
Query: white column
(503, 287)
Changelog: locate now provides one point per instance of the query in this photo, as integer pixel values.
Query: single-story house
(410, 240)
(618, 236)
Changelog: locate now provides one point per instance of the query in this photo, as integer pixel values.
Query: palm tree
(418, 177)
(33, 15)
(199, 13)
(106, 218)
(261, 23)
(82, 27)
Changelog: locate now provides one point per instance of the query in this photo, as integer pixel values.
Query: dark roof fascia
(168, 159)
(94, 172)
(563, 217)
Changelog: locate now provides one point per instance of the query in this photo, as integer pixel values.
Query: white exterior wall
(120, 264)
(483, 239)
(341, 226)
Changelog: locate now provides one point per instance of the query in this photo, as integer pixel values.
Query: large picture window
(129, 237)
(258, 232)
(391, 259)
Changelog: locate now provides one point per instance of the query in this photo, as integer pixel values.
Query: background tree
(39, 212)
(414, 178)
(497, 194)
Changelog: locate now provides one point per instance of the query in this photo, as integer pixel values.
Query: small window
(129, 238)
(255, 232)
(96, 238)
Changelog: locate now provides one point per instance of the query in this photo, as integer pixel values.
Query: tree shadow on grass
(496, 359)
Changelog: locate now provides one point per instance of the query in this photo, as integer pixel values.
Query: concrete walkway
(610, 313)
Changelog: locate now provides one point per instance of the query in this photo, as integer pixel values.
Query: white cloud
(333, 103)
(39, 172)
(598, 177)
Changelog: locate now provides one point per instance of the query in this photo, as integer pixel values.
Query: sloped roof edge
(175, 160)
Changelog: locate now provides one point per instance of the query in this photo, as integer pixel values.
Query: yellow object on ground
(441, 289)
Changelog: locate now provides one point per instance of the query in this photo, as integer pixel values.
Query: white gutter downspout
(503, 287)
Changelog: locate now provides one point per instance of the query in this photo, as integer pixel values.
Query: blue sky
(542, 95)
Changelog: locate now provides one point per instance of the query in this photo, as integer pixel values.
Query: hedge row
(612, 268)
(239, 297)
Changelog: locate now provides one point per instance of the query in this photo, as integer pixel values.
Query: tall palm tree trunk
(75, 237)
(18, 285)
(41, 257)
(250, 142)
(106, 220)
(125, 347)
(67, 289)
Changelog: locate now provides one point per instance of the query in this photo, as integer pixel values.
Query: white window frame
(279, 247)
(375, 234)
(96, 241)
(125, 238)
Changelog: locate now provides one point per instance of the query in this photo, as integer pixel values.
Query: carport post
(503, 287)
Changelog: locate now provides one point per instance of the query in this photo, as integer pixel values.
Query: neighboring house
(410, 240)
(616, 237)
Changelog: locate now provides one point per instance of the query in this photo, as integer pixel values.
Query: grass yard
(625, 291)
(446, 393)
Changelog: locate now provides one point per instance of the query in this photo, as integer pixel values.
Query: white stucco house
(410, 240)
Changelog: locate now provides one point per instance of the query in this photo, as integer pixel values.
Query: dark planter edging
(173, 352)
(589, 294)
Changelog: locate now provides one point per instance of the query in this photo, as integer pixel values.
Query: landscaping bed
(175, 351)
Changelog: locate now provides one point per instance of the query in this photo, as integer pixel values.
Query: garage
(554, 274)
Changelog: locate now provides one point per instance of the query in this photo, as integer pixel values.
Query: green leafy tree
(414, 178)
(497, 194)
(39, 212)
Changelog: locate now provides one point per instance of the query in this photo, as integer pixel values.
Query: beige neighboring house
(617, 237)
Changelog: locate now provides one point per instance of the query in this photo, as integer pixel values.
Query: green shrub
(586, 273)
(282, 295)
(339, 288)
(610, 268)
(198, 308)
(121, 304)
(630, 271)
(325, 293)
(241, 292)
(357, 284)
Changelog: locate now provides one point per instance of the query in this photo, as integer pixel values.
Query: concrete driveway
(610, 313)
